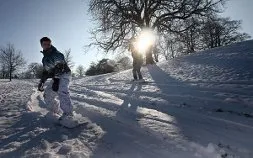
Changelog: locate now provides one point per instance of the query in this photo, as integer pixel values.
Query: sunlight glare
(145, 40)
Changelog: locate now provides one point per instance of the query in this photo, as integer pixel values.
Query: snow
(199, 105)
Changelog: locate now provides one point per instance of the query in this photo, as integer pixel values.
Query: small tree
(106, 66)
(80, 71)
(222, 31)
(68, 58)
(102, 67)
(4, 71)
(73, 74)
(26, 75)
(11, 58)
(92, 70)
(124, 63)
(36, 69)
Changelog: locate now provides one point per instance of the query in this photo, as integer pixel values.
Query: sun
(145, 40)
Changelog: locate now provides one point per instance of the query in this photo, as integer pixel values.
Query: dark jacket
(54, 64)
(137, 56)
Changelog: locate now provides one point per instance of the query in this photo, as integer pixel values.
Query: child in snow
(137, 61)
(55, 67)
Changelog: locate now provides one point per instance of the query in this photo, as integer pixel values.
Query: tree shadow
(123, 135)
(4, 80)
(128, 104)
(188, 119)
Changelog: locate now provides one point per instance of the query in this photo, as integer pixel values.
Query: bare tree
(36, 69)
(119, 20)
(191, 38)
(4, 71)
(167, 45)
(80, 71)
(222, 31)
(12, 59)
(202, 33)
(68, 58)
(123, 62)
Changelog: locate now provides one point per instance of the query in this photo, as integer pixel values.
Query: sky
(67, 23)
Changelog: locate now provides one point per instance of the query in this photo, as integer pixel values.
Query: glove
(41, 87)
(55, 85)
(58, 69)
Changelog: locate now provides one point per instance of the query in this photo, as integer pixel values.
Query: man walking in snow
(55, 67)
(137, 61)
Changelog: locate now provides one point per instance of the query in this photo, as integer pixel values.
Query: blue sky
(67, 23)
(24, 22)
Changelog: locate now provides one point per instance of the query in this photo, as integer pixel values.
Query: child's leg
(134, 70)
(50, 98)
(134, 74)
(139, 72)
(64, 96)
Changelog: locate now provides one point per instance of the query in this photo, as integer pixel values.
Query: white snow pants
(52, 98)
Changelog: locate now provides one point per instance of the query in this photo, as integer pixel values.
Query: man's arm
(44, 76)
(45, 73)
(43, 80)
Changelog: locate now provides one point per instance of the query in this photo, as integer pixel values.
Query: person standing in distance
(137, 60)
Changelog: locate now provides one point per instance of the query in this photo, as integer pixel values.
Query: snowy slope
(199, 105)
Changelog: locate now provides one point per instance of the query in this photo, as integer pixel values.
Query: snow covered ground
(200, 105)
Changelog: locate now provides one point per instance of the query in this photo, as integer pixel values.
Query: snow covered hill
(200, 105)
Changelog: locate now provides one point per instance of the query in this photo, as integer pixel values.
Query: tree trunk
(219, 41)
(149, 57)
(10, 62)
(10, 73)
(172, 51)
(192, 49)
(156, 58)
(10, 76)
(156, 55)
(3, 74)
